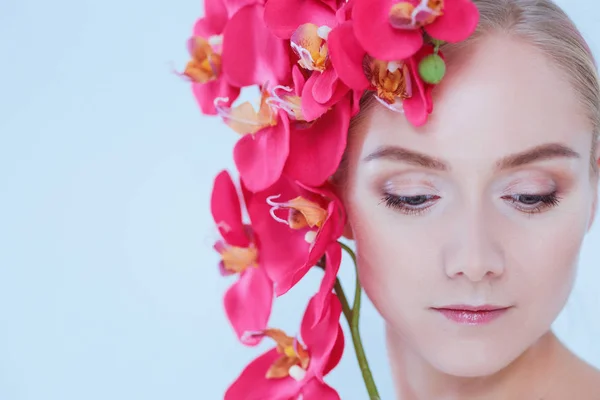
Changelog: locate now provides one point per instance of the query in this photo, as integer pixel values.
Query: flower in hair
(276, 138)
(260, 154)
(204, 69)
(248, 301)
(316, 149)
(391, 30)
(295, 224)
(400, 87)
(252, 54)
(296, 366)
(309, 29)
(313, 62)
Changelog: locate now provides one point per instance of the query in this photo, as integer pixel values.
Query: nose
(474, 248)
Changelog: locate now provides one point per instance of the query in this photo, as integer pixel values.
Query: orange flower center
(408, 15)
(287, 101)
(205, 64)
(237, 259)
(294, 357)
(305, 213)
(309, 43)
(391, 79)
(302, 212)
(244, 118)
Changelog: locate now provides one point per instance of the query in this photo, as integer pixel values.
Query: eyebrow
(538, 153)
(401, 154)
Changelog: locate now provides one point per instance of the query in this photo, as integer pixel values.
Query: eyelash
(543, 202)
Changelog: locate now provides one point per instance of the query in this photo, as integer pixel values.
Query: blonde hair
(546, 26)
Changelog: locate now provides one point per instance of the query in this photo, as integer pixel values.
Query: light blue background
(108, 284)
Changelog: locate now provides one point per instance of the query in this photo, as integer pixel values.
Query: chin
(470, 358)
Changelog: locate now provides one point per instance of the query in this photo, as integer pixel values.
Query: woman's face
(487, 204)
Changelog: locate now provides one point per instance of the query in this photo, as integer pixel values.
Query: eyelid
(411, 192)
(529, 182)
(522, 188)
(408, 188)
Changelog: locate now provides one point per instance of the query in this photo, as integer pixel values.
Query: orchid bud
(432, 69)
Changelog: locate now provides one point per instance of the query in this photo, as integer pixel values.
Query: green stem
(342, 296)
(352, 316)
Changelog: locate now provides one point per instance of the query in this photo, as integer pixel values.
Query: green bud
(432, 69)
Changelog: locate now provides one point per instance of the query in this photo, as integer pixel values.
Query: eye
(533, 203)
(411, 205)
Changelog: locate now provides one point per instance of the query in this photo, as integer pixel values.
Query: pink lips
(470, 315)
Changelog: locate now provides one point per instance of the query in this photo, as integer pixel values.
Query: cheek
(542, 262)
(392, 260)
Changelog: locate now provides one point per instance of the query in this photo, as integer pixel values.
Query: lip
(472, 315)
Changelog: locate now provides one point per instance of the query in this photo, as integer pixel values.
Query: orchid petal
(251, 53)
(233, 6)
(347, 56)
(283, 23)
(260, 157)
(320, 332)
(298, 79)
(331, 92)
(331, 230)
(336, 352)
(458, 22)
(206, 93)
(333, 260)
(385, 42)
(248, 304)
(226, 211)
(283, 250)
(418, 107)
(316, 151)
(318, 390)
(324, 85)
(286, 254)
(214, 21)
(252, 383)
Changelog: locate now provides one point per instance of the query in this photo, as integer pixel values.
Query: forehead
(499, 97)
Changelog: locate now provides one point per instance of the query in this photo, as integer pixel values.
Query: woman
(484, 207)
(468, 221)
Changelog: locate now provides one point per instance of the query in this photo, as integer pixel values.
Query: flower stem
(352, 316)
(342, 296)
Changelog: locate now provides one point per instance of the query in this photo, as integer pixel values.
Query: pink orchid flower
(248, 301)
(391, 30)
(399, 87)
(295, 369)
(204, 69)
(308, 28)
(317, 149)
(270, 134)
(260, 154)
(295, 224)
(252, 54)
(347, 56)
(284, 23)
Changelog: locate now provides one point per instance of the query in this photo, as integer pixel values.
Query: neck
(529, 375)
